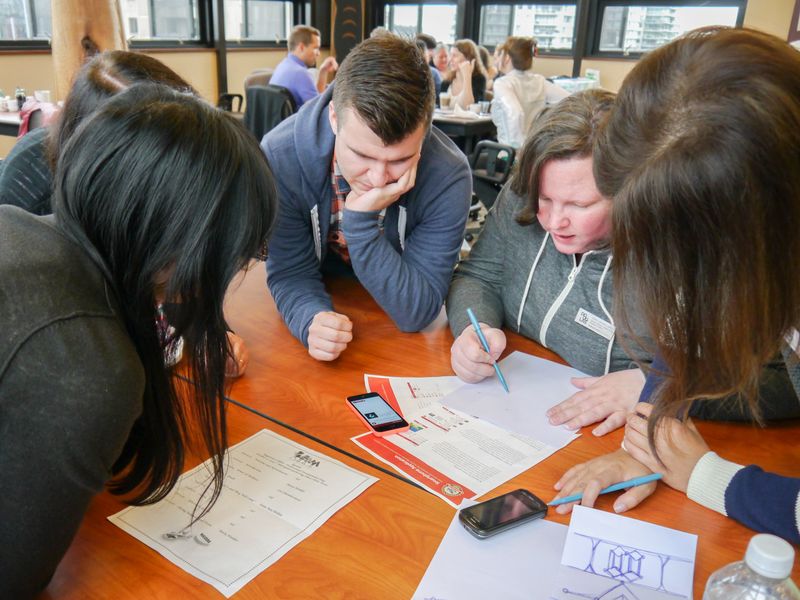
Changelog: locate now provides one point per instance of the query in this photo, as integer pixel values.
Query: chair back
(226, 102)
(258, 77)
(491, 165)
(267, 105)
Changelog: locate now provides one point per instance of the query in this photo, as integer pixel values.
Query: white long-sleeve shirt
(519, 97)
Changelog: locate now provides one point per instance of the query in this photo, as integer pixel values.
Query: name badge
(595, 323)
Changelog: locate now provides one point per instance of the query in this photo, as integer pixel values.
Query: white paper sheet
(521, 563)
(411, 394)
(276, 494)
(455, 456)
(535, 384)
(605, 552)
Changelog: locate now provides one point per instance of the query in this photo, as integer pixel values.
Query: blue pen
(485, 345)
(612, 488)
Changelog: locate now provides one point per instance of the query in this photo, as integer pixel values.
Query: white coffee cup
(12, 104)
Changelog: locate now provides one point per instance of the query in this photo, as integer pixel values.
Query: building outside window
(638, 29)
(161, 20)
(25, 20)
(438, 20)
(261, 20)
(553, 25)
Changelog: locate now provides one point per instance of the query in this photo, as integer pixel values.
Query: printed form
(462, 453)
(276, 493)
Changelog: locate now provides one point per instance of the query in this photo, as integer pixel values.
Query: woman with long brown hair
(467, 74)
(701, 156)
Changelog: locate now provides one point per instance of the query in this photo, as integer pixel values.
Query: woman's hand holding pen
(594, 475)
(468, 358)
(679, 446)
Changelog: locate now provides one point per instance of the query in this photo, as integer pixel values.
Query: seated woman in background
(491, 70)
(27, 177)
(158, 197)
(520, 94)
(467, 80)
(543, 258)
(701, 156)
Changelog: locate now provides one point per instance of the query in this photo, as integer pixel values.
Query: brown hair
(387, 82)
(520, 50)
(102, 77)
(701, 155)
(566, 130)
(301, 34)
(470, 51)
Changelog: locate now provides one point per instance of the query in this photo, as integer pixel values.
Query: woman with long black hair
(158, 198)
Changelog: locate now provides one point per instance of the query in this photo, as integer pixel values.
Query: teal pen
(485, 345)
(612, 488)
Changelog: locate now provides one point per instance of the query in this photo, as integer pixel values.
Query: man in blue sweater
(366, 185)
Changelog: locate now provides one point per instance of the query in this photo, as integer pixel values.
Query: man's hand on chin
(379, 198)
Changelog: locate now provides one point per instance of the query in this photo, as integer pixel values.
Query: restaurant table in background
(379, 545)
(467, 130)
(9, 123)
(575, 84)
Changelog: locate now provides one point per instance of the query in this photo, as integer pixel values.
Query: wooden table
(394, 528)
(471, 130)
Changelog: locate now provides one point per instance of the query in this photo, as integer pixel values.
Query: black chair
(267, 105)
(226, 102)
(491, 165)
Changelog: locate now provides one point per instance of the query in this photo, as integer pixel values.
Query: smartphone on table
(504, 512)
(377, 414)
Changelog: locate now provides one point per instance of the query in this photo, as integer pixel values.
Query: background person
(369, 188)
(702, 129)
(85, 395)
(467, 78)
(293, 71)
(520, 94)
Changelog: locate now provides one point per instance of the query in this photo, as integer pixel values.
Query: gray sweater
(71, 387)
(566, 304)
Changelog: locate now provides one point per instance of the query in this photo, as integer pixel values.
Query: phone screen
(499, 513)
(377, 412)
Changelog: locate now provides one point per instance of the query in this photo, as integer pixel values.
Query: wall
(198, 67)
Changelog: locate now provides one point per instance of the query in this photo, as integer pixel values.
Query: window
(630, 29)
(25, 20)
(438, 20)
(147, 20)
(553, 25)
(258, 20)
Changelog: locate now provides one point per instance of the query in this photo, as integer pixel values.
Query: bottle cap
(770, 556)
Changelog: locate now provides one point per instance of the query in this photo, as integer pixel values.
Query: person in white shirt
(520, 94)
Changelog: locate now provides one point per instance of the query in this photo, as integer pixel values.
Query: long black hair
(159, 186)
(99, 79)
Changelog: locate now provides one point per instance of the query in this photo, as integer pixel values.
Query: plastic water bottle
(762, 575)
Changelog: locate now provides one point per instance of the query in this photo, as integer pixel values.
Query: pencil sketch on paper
(615, 571)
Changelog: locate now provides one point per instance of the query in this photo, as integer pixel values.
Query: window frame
(595, 21)
(28, 44)
(377, 9)
(561, 53)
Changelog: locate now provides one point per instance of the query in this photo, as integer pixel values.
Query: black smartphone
(498, 514)
(377, 414)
